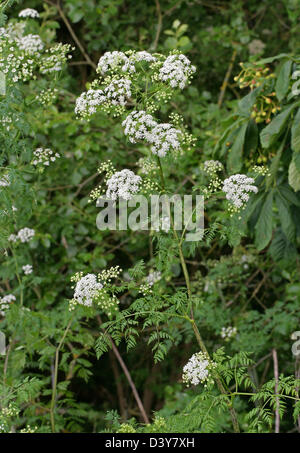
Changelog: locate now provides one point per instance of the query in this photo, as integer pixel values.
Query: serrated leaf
(294, 177)
(264, 225)
(283, 80)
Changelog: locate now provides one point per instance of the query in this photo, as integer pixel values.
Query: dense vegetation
(102, 328)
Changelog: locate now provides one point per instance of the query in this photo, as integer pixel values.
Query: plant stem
(192, 320)
(53, 399)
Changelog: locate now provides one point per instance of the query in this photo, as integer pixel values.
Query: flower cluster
(115, 94)
(176, 70)
(24, 235)
(93, 288)
(165, 138)
(237, 188)
(44, 156)
(48, 96)
(31, 44)
(4, 303)
(29, 12)
(211, 167)
(27, 269)
(198, 370)
(228, 332)
(87, 288)
(153, 277)
(123, 184)
(115, 61)
(138, 125)
(54, 58)
(261, 170)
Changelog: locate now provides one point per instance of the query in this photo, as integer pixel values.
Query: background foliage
(244, 274)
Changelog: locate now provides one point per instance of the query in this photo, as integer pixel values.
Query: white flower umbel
(228, 332)
(198, 370)
(54, 58)
(119, 61)
(29, 12)
(123, 184)
(4, 303)
(153, 278)
(115, 60)
(88, 102)
(87, 289)
(176, 70)
(27, 269)
(143, 56)
(237, 188)
(211, 167)
(25, 234)
(118, 91)
(31, 44)
(164, 138)
(138, 126)
(44, 156)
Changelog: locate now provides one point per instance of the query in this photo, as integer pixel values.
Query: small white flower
(123, 184)
(25, 234)
(153, 277)
(29, 12)
(237, 188)
(164, 138)
(31, 44)
(197, 370)
(43, 156)
(138, 126)
(27, 269)
(4, 303)
(228, 332)
(176, 70)
(86, 289)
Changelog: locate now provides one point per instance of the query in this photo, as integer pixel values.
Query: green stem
(53, 399)
(192, 320)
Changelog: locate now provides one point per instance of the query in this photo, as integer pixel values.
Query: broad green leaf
(296, 160)
(264, 226)
(251, 138)
(246, 103)
(271, 59)
(270, 134)
(286, 220)
(283, 80)
(295, 131)
(234, 161)
(294, 177)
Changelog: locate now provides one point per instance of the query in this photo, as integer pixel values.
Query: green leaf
(296, 160)
(234, 161)
(295, 131)
(251, 139)
(286, 220)
(263, 228)
(283, 80)
(246, 103)
(294, 177)
(270, 134)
